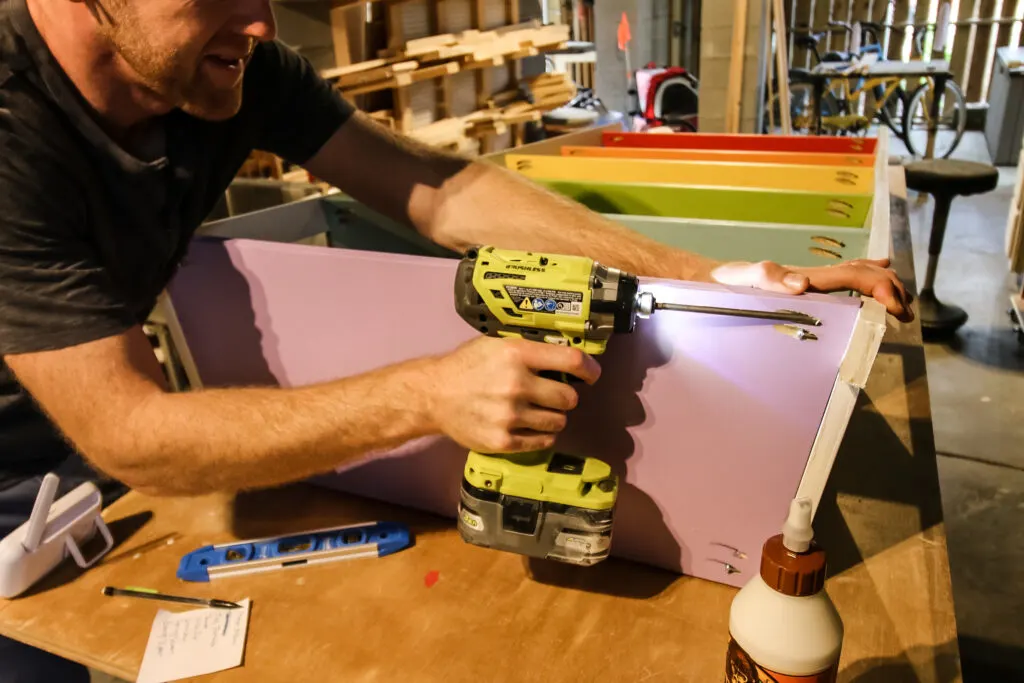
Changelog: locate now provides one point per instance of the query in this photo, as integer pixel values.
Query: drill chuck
(620, 303)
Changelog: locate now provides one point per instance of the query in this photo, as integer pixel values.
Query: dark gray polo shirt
(89, 234)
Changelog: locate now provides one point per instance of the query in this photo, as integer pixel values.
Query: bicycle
(918, 113)
(837, 108)
(889, 104)
(880, 97)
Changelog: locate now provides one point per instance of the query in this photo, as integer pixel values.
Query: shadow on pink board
(708, 420)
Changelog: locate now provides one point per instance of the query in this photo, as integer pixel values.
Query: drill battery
(544, 504)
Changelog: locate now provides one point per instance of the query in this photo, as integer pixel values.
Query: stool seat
(951, 177)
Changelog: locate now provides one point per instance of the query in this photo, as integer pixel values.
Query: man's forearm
(487, 204)
(230, 439)
(456, 202)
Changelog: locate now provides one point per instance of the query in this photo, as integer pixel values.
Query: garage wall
(649, 26)
(715, 46)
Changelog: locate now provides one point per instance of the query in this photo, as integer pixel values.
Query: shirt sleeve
(297, 109)
(54, 292)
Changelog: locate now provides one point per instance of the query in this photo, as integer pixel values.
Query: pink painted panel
(709, 420)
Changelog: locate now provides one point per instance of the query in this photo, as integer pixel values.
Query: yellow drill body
(544, 504)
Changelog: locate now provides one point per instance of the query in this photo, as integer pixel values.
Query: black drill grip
(559, 376)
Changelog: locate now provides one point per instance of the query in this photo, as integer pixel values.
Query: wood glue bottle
(783, 626)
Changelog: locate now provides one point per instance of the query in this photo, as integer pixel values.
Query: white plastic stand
(54, 531)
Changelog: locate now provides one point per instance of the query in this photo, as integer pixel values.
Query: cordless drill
(549, 504)
(545, 503)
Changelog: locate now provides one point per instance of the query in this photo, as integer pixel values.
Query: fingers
(892, 294)
(524, 429)
(540, 421)
(519, 442)
(549, 393)
(539, 356)
(871, 277)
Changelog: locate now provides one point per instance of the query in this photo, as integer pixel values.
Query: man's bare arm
(458, 202)
(108, 398)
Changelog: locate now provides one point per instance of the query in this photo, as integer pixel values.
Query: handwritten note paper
(193, 643)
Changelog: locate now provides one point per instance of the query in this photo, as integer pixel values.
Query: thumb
(763, 275)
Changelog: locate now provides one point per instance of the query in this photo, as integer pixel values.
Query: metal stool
(944, 179)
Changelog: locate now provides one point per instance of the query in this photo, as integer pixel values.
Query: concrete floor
(976, 380)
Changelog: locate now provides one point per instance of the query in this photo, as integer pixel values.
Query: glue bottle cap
(797, 532)
(791, 562)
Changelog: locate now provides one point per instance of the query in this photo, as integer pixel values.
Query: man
(121, 123)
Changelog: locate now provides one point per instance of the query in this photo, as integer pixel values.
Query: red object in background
(667, 96)
(743, 141)
(431, 578)
(623, 33)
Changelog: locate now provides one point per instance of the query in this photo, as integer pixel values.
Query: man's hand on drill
(488, 396)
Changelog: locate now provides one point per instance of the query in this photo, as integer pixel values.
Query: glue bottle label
(740, 668)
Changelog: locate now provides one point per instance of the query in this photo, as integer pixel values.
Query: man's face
(191, 53)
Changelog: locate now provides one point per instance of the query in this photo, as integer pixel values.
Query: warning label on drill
(546, 300)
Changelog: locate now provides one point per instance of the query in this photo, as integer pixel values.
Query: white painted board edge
(880, 241)
(862, 349)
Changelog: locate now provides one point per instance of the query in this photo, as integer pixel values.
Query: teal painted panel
(353, 225)
(712, 203)
(794, 245)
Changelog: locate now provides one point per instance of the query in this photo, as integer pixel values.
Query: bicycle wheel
(801, 110)
(950, 125)
(892, 111)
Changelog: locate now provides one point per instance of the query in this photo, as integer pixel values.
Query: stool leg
(938, 234)
(936, 317)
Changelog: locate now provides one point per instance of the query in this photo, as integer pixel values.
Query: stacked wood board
(474, 46)
(687, 411)
(495, 119)
(437, 115)
(550, 90)
(445, 55)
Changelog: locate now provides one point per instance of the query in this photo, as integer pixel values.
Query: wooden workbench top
(497, 617)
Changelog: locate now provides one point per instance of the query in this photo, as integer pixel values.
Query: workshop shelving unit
(466, 75)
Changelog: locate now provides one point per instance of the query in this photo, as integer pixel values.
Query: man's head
(189, 53)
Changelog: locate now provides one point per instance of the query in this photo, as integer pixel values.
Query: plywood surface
(490, 616)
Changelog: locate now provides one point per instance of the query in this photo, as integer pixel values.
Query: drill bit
(788, 316)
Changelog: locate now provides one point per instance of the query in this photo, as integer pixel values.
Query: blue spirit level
(374, 539)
